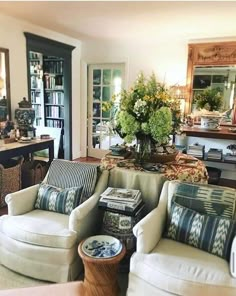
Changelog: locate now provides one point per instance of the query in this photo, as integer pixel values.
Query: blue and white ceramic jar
(210, 121)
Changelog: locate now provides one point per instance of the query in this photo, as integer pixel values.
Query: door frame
(99, 153)
(51, 47)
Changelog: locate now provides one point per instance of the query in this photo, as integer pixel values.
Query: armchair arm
(148, 231)
(86, 219)
(22, 201)
(233, 259)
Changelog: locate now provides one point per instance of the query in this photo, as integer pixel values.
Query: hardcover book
(121, 195)
(122, 208)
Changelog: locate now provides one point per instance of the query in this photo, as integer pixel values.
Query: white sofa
(43, 244)
(162, 266)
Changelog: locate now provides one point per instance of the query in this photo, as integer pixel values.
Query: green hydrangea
(129, 125)
(161, 125)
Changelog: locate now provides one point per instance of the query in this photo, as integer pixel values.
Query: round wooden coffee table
(100, 270)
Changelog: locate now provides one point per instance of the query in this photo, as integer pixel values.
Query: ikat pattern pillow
(212, 234)
(51, 198)
(210, 200)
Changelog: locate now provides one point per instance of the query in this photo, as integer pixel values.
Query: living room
(143, 36)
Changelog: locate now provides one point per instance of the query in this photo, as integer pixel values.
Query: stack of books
(120, 200)
(230, 157)
(196, 150)
(215, 154)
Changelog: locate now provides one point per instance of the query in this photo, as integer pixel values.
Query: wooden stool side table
(100, 274)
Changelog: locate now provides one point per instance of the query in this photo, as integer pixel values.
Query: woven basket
(163, 158)
(10, 178)
(33, 172)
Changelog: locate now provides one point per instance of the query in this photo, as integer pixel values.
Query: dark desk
(10, 150)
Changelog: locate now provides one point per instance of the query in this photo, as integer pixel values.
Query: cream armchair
(162, 266)
(43, 244)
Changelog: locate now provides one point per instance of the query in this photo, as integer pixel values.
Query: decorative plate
(101, 246)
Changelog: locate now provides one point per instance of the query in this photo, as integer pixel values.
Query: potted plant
(210, 101)
(149, 113)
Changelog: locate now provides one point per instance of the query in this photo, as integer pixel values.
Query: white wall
(12, 37)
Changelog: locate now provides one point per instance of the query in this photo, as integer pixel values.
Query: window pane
(106, 77)
(96, 93)
(96, 76)
(106, 93)
(96, 110)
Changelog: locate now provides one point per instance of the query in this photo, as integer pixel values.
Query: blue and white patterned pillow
(206, 199)
(51, 198)
(213, 234)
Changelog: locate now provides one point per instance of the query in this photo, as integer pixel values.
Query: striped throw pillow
(65, 174)
(206, 199)
(212, 234)
(51, 198)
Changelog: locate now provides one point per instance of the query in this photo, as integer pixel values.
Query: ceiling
(123, 20)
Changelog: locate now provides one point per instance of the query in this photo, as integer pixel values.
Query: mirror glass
(5, 101)
(221, 78)
(212, 65)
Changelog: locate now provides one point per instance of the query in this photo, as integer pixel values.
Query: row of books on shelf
(53, 82)
(119, 200)
(54, 123)
(55, 98)
(54, 111)
(53, 67)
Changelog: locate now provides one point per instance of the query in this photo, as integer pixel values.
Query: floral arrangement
(147, 108)
(209, 99)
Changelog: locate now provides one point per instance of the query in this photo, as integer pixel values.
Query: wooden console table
(197, 131)
(10, 150)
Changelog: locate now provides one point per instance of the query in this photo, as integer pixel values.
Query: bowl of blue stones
(117, 149)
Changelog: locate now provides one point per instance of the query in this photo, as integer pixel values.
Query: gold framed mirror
(5, 96)
(211, 65)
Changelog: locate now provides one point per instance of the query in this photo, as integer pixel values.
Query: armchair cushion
(74, 174)
(178, 269)
(41, 228)
(206, 199)
(213, 234)
(51, 198)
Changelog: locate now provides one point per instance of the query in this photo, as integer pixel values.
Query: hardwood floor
(88, 159)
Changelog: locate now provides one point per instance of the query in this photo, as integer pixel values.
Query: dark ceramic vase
(24, 117)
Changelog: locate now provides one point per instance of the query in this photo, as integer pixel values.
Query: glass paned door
(104, 81)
